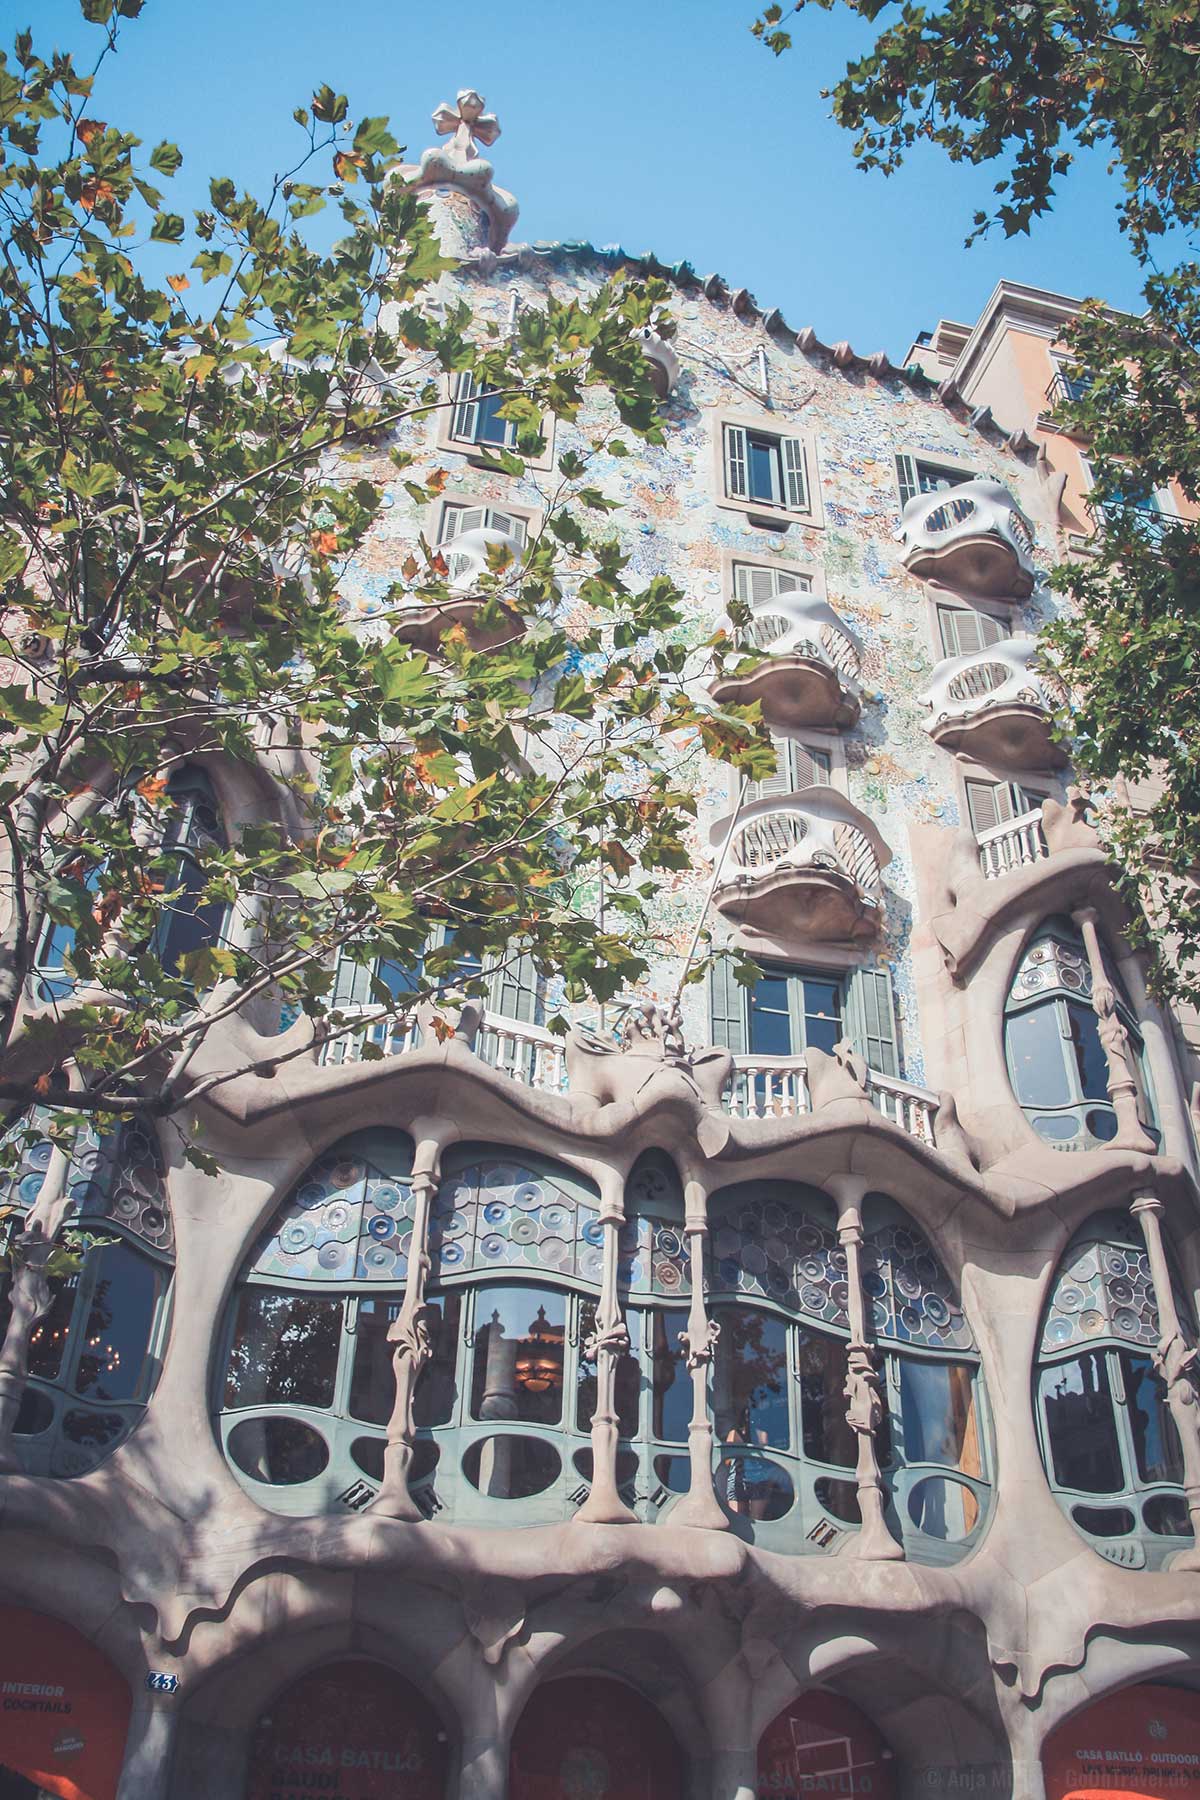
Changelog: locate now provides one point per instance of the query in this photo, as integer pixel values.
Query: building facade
(788, 1393)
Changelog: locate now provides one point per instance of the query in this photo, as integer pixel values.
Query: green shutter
(795, 482)
(906, 479)
(352, 983)
(737, 484)
(466, 410)
(871, 1020)
(727, 1007)
(514, 990)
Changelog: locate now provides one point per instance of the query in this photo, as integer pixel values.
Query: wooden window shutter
(457, 519)
(465, 418)
(810, 768)
(871, 1019)
(906, 479)
(509, 523)
(514, 990)
(352, 983)
(795, 479)
(783, 781)
(989, 803)
(737, 484)
(727, 1007)
(964, 632)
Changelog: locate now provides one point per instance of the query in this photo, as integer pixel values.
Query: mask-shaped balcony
(971, 537)
(470, 559)
(811, 672)
(664, 364)
(993, 705)
(803, 866)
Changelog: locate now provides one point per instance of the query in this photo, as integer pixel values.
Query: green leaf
(165, 158)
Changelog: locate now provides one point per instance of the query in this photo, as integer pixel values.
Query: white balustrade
(1015, 844)
(796, 623)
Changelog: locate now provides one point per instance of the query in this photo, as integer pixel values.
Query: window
(992, 803)
(514, 989)
(964, 631)
(765, 472)
(455, 520)
(472, 424)
(789, 1010)
(797, 766)
(190, 923)
(755, 586)
(926, 475)
(1109, 1442)
(1056, 1060)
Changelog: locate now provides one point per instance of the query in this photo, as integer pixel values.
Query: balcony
(762, 1087)
(472, 563)
(810, 671)
(972, 538)
(803, 866)
(1015, 844)
(992, 704)
(664, 364)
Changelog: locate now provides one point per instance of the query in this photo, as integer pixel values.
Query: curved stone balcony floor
(803, 865)
(971, 537)
(995, 706)
(795, 689)
(470, 558)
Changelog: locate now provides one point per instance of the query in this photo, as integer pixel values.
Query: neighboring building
(808, 1410)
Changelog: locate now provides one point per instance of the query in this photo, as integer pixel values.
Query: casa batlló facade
(794, 1393)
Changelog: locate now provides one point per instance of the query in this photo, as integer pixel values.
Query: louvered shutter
(906, 479)
(989, 803)
(466, 408)
(351, 983)
(514, 990)
(782, 781)
(795, 479)
(871, 1020)
(727, 1007)
(737, 485)
(457, 519)
(509, 523)
(755, 586)
(964, 632)
(810, 768)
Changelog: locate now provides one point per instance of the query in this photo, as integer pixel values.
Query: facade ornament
(649, 1047)
(864, 1411)
(1122, 1082)
(699, 1506)
(700, 1346)
(459, 166)
(606, 1343)
(840, 1074)
(1066, 825)
(411, 1342)
(649, 1029)
(1178, 1363)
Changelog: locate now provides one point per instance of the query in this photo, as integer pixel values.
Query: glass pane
(822, 1014)
(1167, 1515)
(826, 1434)
(373, 1382)
(436, 1399)
(285, 1348)
(48, 1339)
(125, 1295)
(753, 1487)
(491, 428)
(511, 1468)
(1104, 1521)
(517, 1370)
(1035, 1052)
(1090, 1061)
(839, 1498)
(1077, 1402)
(629, 1377)
(937, 1404)
(672, 1382)
(187, 925)
(770, 1017)
(1155, 1439)
(943, 1509)
(750, 1385)
(931, 479)
(762, 456)
(399, 978)
(282, 1452)
(675, 1473)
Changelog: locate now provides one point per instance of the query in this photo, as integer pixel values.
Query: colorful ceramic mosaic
(912, 1301)
(117, 1176)
(1103, 1290)
(499, 1215)
(1050, 964)
(347, 1220)
(766, 1248)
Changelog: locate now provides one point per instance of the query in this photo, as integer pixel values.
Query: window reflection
(517, 1370)
(754, 1488)
(821, 1366)
(937, 1402)
(1035, 1052)
(750, 1388)
(1155, 1438)
(628, 1382)
(511, 1467)
(672, 1382)
(1077, 1402)
(48, 1341)
(285, 1348)
(125, 1292)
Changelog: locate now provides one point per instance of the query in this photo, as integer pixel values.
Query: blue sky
(658, 125)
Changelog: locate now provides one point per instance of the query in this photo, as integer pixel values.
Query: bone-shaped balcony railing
(800, 624)
(973, 536)
(807, 863)
(1001, 674)
(467, 556)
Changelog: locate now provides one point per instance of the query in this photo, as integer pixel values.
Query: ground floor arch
(64, 1711)
(352, 1730)
(589, 1737)
(822, 1744)
(1141, 1743)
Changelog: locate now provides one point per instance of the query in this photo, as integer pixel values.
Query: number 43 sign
(162, 1684)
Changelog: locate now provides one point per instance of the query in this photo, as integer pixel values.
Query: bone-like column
(1118, 1052)
(699, 1505)
(864, 1413)
(29, 1296)
(1177, 1362)
(607, 1343)
(409, 1337)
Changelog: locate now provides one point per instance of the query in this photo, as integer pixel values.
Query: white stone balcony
(762, 1087)
(664, 364)
(810, 671)
(972, 537)
(1015, 844)
(802, 866)
(471, 559)
(995, 705)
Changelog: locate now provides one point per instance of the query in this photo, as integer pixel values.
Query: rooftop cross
(459, 165)
(468, 121)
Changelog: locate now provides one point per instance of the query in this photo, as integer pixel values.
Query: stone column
(409, 1337)
(150, 1748)
(607, 1343)
(29, 1297)
(874, 1542)
(699, 1505)
(1177, 1362)
(1122, 1086)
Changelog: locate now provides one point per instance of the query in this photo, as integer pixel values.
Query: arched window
(592, 1738)
(1056, 1060)
(1139, 1740)
(351, 1728)
(1109, 1443)
(778, 1291)
(95, 1355)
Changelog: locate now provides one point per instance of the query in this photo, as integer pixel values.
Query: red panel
(64, 1709)
(355, 1730)
(821, 1744)
(1143, 1741)
(587, 1738)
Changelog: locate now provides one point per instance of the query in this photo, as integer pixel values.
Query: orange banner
(1140, 1744)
